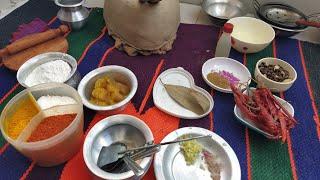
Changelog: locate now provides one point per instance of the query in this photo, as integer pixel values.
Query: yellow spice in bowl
(20, 117)
(108, 91)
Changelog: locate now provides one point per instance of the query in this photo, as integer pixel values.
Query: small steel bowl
(118, 73)
(73, 79)
(121, 128)
(220, 11)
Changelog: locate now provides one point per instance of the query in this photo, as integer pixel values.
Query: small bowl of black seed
(276, 74)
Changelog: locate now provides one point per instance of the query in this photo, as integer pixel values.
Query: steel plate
(169, 163)
(281, 15)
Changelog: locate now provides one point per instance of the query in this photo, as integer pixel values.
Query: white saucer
(162, 100)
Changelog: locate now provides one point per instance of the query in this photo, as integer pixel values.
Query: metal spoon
(145, 153)
(109, 158)
(136, 156)
(135, 167)
(161, 144)
(112, 153)
(109, 155)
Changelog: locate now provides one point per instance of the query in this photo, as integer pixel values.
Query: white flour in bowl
(53, 71)
(46, 102)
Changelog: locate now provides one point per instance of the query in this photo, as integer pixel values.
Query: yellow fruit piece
(100, 93)
(124, 89)
(100, 83)
(108, 91)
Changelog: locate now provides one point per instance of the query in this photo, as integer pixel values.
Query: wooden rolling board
(13, 62)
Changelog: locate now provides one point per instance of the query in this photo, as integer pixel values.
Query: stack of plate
(281, 17)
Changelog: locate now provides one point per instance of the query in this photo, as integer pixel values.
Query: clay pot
(146, 28)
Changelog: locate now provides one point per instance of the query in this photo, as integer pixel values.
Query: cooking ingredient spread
(202, 162)
(108, 91)
(188, 98)
(191, 150)
(23, 112)
(222, 79)
(53, 71)
(212, 165)
(274, 72)
(46, 102)
(51, 126)
(265, 111)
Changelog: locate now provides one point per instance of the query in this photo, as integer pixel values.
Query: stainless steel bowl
(118, 73)
(220, 11)
(73, 79)
(126, 129)
(72, 13)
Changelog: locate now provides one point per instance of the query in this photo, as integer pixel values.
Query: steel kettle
(72, 13)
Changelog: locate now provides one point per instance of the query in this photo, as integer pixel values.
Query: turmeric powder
(21, 115)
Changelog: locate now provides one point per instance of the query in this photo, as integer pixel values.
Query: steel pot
(72, 13)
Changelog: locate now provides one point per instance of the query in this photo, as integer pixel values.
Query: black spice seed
(273, 72)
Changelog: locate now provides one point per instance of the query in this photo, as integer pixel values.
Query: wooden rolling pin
(13, 62)
(32, 40)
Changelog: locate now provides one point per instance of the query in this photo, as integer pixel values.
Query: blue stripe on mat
(305, 142)
(13, 164)
(94, 55)
(47, 173)
(7, 80)
(55, 24)
(227, 126)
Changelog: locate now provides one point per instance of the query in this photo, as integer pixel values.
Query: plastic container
(224, 43)
(59, 148)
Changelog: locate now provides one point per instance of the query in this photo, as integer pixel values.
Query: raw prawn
(265, 111)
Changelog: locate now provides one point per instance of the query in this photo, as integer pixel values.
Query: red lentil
(51, 126)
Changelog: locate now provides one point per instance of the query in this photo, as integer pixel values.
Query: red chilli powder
(51, 126)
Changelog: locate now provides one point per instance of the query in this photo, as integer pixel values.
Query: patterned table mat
(259, 157)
